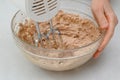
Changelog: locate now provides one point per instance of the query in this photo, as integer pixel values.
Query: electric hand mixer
(40, 11)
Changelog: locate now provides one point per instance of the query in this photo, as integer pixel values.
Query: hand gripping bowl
(58, 64)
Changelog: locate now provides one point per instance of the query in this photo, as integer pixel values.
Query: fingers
(107, 38)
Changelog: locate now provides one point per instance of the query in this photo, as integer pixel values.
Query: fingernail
(95, 56)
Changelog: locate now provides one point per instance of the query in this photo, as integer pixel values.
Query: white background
(14, 66)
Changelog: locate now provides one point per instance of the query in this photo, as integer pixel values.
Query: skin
(106, 19)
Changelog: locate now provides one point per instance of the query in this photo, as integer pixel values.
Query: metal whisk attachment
(54, 33)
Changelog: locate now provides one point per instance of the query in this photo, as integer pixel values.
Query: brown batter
(75, 31)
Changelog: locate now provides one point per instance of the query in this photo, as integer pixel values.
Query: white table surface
(14, 66)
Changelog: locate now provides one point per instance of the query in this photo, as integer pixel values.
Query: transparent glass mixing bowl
(82, 54)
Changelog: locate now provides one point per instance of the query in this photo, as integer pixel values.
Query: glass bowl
(81, 54)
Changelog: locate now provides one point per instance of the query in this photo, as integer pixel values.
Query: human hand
(106, 19)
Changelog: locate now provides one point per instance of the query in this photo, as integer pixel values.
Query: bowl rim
(53, 50)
